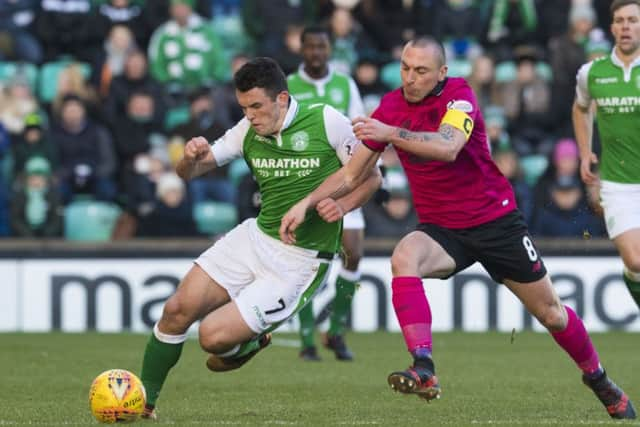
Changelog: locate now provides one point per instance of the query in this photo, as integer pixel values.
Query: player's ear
(283, 98)
(442, 73)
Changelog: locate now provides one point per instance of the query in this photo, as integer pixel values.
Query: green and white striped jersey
(616, 92)
(315, 141)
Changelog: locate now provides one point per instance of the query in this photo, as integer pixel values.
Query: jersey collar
(291, 113)
(307, 78)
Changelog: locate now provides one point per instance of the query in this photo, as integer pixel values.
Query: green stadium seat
(9, 70)
(533, 166)
(176, 116)
(238, 168)
(90, 220)
(215, 217)
(49, 73)
(459, 68)
(390, 75)
(544, 71)
(505, 72)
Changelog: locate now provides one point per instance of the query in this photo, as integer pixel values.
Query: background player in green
(249, 282)
(316, 82)
(612, 84)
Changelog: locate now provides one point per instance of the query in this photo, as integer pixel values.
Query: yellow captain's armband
(459, 120)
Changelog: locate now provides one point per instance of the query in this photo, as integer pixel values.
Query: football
(117, 396)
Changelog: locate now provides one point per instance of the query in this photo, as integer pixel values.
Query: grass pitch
(486, 380)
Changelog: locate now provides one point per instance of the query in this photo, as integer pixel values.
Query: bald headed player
(467, 214)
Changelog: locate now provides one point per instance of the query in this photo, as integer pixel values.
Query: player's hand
(372, 129)
(197, 149)
(291, 220)
(330, 210)
(588, 177)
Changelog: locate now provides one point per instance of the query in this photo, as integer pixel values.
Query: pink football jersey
(464, 193)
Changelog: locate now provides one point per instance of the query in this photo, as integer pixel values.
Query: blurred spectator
(367, 78)
(229, 112)
(135, 77)
(394, 216)
(16, 23)
(527, 102)
(289, 56)
(567, 54)
(36, 208)
(266, 22)
(131, 14)
(172, 213)
(227, 23)
(85, 151)
(33, 142)
(597, 46)
(567, 214)
(134, 135)
(204, 122)
(17, 101)
(117, 47)
(66, 27)
(456, 24)
(482, 80)
(185, 52)
(511, 23)
(506, 160)
(496, 126)
(71, 81)
(349, 41)
(249, 199)
(565, 163)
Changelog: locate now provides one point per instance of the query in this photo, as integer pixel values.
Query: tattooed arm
(443, 145)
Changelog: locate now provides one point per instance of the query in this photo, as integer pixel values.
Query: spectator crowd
(98, 97)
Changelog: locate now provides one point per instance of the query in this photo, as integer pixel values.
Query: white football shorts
(268, 280)
(353, 220)
(621, 204)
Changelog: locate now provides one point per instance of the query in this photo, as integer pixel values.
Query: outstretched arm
(352, 175)
(582, 128)
(443, 145)
(197, 159)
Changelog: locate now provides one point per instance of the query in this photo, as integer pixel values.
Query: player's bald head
(428, 43)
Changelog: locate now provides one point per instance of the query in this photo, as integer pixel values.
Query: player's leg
(568, 331)
(621, 205)
(308, 350)
(196, 295)
(346, 283)
(419, 254)
(628, 244)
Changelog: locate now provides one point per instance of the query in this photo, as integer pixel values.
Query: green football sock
(634, 289)
(341, 305)
(307, 325)
(247, 347)
(159, 358)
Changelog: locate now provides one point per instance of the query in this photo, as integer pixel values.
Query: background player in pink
(467, 214)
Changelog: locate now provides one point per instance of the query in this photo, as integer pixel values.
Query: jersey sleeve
(229, 145)
(340, 133)
(356, 106)
(376, 145)
(583, 98)
(462, 110)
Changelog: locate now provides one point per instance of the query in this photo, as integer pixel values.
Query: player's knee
(402, 263)
(176, 313)
(632, 265)
(213, 340)
(553, 318)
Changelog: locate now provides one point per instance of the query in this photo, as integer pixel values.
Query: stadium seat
(544, 71)
(90, 220)
(215, 217)
(505, 72)
(176, 116)
(390, 75)
(459, 68)
(533, 166)
(238, 168)
(9, 70)
(49, 72)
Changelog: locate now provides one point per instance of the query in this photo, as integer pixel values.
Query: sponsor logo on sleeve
(461, 105)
